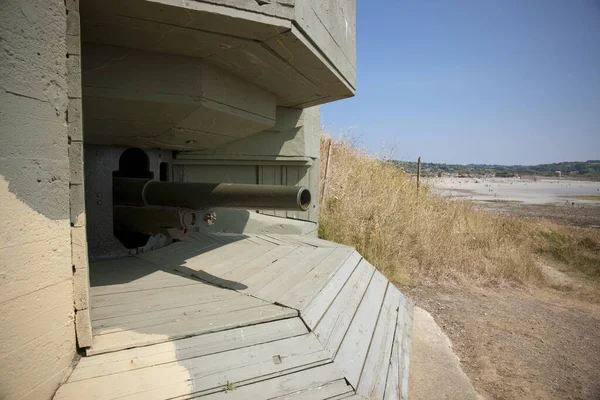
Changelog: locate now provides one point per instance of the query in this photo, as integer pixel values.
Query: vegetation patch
(502, 201)
(577, 169)
(413, 236)
(585, 197)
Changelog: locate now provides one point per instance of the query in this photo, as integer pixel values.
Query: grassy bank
(418, 237)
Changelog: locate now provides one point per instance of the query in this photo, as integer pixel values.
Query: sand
(527, 191)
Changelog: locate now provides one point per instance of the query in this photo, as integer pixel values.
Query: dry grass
(374, 207)
(574, 247)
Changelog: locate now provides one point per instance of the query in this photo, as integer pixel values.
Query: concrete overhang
(195, 75)
(262, 42)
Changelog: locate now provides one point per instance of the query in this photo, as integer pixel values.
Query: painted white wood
(206, 373)
(211, 257)
(197, 346)
(352, 353)
(405, 346)
(334, 324)
(173, 315)
(154, 300)
(188, 327)
(178, 250)
(143, 284)
(235, 259)
(317, 242)
(312, 312)
(123, 270)
(282, 283)
(258, 240)
(252, 267)
(128, 291)
(281, 386)
(392, 388)
(311, 285)
(291, 239)
(328, 391)
(269, 272)
(373, 378)
(273, 240)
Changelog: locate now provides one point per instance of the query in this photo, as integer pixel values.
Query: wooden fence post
(324, 186)
(418, 174)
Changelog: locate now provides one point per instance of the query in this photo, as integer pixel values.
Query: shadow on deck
(244, 316)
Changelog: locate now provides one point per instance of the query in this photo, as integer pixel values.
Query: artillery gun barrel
(197, 196)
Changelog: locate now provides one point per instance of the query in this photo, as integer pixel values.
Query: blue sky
(476, 81)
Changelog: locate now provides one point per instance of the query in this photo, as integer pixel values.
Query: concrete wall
(74, 115)
(331, 25)
(175, 102)
(37, 335)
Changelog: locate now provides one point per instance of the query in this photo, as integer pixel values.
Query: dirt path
(513, 343)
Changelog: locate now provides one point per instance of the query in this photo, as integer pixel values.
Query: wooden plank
(282, 283)
(373, 378)
(265, 275)
(122, 270)
(226, 238)
(188, 327)
(159, 299)
(174, 314)
(259, 240)
(312, 312)
(157, 280)
(202, 237)
(214, 256)
(252, 267)
(405, 341)
(283, 385)
(392, 386)
(289, 239)
(178, 251)
(154, 282)
(311, 285)
(273, 240)
(397, 380)
(352, 353)
(314, 241)
(223, 265)
(334, 324)
(207, 373)
(197, 346)
(330, 390)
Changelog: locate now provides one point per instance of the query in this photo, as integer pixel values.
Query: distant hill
(581, 168)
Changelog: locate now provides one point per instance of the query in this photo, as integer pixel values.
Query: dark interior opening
(305, 199)
(164, 171)
(133, 163)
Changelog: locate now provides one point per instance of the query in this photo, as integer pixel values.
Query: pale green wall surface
(287, 154)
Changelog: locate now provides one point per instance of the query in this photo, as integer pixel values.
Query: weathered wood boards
(206, 374)
(217, 316)
(196, 346)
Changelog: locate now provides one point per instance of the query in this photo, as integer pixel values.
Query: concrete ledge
(435, 371)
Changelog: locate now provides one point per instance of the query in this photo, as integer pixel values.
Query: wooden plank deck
(244, 316)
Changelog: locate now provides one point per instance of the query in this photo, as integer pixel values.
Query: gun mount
(174, 208)
(198, 196)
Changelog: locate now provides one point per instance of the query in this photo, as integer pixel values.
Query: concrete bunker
(201, 93)
(155, 94)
